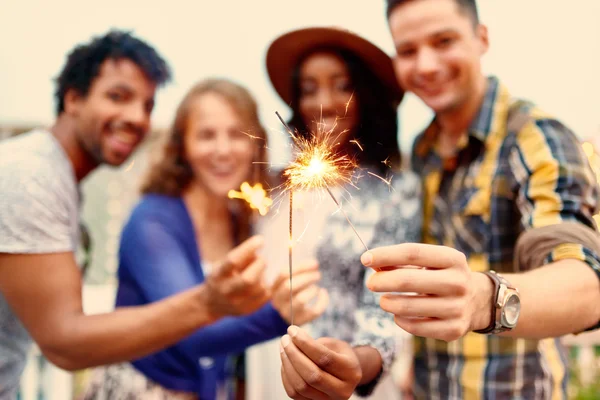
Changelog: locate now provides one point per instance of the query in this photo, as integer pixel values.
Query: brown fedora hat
(285, 52)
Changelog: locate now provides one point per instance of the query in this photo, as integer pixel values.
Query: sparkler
(255, 196)
(316, 166)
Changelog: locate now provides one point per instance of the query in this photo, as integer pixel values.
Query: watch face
(512, 309)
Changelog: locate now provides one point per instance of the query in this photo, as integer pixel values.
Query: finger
(422, 306)
(255, 303)
(302, 282)
(304, 266)
(247, 284)
(253, 274)
(240, 256)
(254, 294)
(321, 304)
(289, 389)
(446, 330)
(320, 357)
(296, 387)
(417, 254)
(235, 287)
(306, 314)
(282, 292)
(308, 371)
(308, 266)
(446, 282)
(302, 298)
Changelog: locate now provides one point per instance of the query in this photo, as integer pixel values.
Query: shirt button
(206, 362)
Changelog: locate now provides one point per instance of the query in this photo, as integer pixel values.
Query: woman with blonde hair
(185, 222)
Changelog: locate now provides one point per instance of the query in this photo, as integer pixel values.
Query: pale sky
(545, 50)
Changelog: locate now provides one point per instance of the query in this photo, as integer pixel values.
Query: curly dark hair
(468, 6)
(378, 116)
(84, 62)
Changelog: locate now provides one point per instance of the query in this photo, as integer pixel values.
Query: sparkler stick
(316, 165)
(291, 232)
(290, 258)
(285, 124)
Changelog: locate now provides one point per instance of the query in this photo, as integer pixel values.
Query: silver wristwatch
(506, 305)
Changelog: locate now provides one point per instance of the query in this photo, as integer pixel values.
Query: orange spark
(255, 196)
(348, 103)
(251, 136)
(317, 166)
(387, 181)
(357, 143)
(317, 163)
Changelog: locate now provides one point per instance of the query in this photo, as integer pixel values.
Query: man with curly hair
(105, 96)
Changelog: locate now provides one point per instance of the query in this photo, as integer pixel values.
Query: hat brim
(285, 52)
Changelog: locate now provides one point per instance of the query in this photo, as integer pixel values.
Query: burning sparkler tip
(255, 196)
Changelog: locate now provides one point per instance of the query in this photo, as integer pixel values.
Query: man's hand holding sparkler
(450, 299)
(236, 286)
(307, 300)
(320, 369)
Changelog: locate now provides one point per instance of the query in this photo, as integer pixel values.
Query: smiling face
(114, 116)
(439, 49)
(326, 96)
(218, 151)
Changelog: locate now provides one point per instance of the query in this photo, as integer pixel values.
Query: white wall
(543, 49)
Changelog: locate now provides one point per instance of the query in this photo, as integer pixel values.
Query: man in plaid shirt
(507, 189)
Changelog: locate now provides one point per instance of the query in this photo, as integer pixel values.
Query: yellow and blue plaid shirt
(500, 185)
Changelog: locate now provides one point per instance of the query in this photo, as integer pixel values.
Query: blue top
(159, 257)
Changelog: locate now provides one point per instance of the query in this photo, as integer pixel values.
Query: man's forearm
(370, 363)
(556, 299)
(128, 333)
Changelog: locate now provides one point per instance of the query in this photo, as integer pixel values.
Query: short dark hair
(378, 116)
(469, 6)
(84, 61)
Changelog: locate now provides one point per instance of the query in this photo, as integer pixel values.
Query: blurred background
(547, 51)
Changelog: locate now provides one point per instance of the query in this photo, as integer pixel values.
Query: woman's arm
(157, 261)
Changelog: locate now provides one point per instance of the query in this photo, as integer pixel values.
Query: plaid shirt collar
(480, 127)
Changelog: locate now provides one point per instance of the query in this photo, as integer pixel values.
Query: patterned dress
(124, 382)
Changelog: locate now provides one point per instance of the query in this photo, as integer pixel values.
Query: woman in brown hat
(338, 82)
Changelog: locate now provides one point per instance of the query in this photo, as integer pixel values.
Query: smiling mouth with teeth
(126, 137)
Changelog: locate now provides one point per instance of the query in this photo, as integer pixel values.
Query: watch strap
(496, 281)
